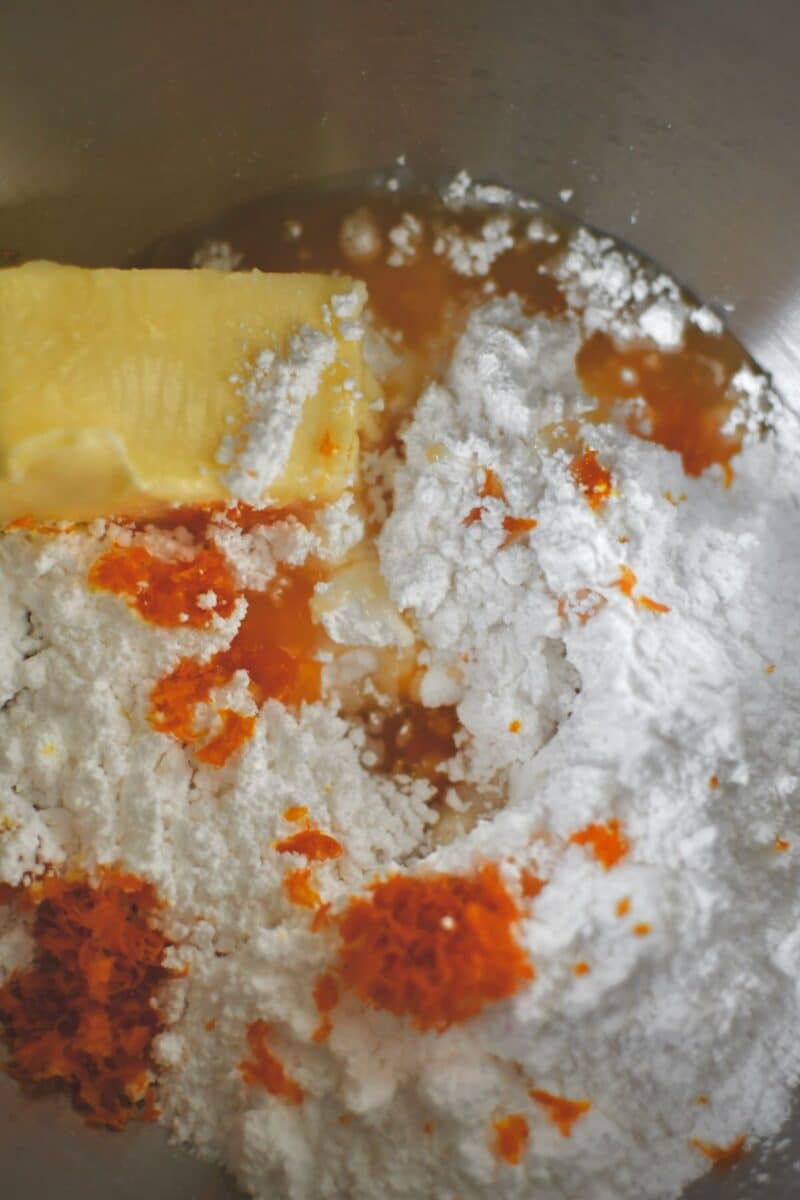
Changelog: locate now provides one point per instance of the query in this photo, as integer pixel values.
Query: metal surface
(674, 123)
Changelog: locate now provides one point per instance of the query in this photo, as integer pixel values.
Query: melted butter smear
(276, 644)
(685, 395)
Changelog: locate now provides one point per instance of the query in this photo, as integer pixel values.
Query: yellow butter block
(122, 391)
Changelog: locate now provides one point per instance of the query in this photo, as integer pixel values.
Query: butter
(124, 391)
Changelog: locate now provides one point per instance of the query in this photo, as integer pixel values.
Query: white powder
(473, 254)
(405, 239)
(274, 394)
(217, 256)
(627, 713)
(614, 292)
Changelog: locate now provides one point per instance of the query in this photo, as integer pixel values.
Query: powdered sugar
(274, 395)
(474, 254)
(216, 255)
(617, 294)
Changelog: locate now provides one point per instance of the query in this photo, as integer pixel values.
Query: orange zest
(315, 845)
(623, 906)
(167, 593)
(515, 527)
(562, 1112)
(435, 948)
(295, 813)
(236, 730)
(492, 488)
(299, 889)
(530, 884)
(723, 1157)
(83, 1015)
(326, 997)
(581, 968)
(511, 1137)
(627, 582)
(593, 479)
(607, 842)
(265, 1069)
(328, 446)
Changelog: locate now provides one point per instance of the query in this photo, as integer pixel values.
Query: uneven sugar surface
(462, 811)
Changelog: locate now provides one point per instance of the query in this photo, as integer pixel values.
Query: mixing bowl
(671, 125)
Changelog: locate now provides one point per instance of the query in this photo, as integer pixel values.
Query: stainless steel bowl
(674, 124)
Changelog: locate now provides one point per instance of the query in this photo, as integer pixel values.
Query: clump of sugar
(614, 292)
(473, 254)
(274, 393)
(214, 255)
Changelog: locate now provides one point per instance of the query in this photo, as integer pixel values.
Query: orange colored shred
(723, 1156)
(265, 1069)
(514, 726)
(530, 884)
(236, 730)
(82, 1016)
(326, 997)
(295, 813)
(167, 593)
(686, 404)
(627, 582)
(299, 889)
(623, 906)
(436, 948)
(607, 842)
(315, 845)
(491, 486)
(562, 1112)
(276, 644)
(321, 918)
(781, 844)
(581, 968)
(511, 1136)
(592, 478)
(652, 605)
(642, 929)
(713, 783)
(515, 527)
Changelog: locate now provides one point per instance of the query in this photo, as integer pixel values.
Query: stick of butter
(123, 391)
